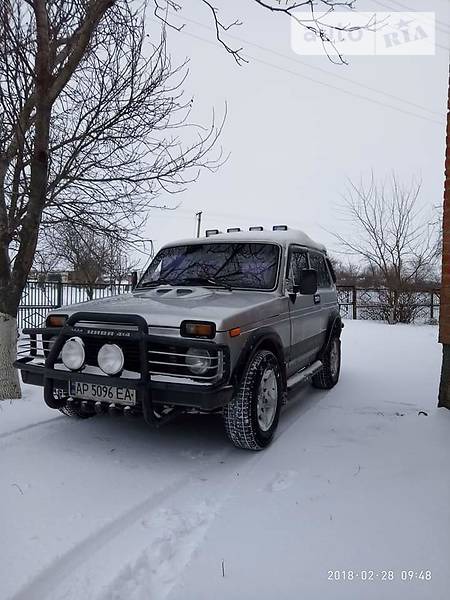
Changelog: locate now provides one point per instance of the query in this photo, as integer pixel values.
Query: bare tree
(90, 131)
(391, 237)
(46, 260)
(119, 264)
(347, 273)
(92, 257)
(84, 253)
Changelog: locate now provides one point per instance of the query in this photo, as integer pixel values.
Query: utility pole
(199, 222)
(444, 317)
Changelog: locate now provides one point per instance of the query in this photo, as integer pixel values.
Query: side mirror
(308, 282)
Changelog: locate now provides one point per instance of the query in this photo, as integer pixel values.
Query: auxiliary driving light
(198, 360)
(110, 359)
(73, 355)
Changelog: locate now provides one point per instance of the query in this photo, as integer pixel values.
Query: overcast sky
(298, 126)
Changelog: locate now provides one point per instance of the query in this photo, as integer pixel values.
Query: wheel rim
(267, 399)
(334, 358)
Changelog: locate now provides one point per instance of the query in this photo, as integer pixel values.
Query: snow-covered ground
(356, 480)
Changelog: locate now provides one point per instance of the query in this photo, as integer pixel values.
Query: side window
(299, 261)
(318, 263)
(331, 269)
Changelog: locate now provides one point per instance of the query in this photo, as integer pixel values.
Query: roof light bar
(258, 228)
(280, 228)
(210, 232)
(233, 229)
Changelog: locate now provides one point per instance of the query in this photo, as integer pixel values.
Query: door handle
(316, 298)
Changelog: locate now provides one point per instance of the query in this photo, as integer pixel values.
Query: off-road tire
(240, 414)
(71, 409)
(328, 377)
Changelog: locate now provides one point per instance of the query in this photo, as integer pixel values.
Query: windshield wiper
(156, 282)
(206, 281)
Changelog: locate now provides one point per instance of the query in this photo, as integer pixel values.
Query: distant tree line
(365, 276)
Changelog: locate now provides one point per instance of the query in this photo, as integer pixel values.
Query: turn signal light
(235, 332)
(195, 329)
(56, 320)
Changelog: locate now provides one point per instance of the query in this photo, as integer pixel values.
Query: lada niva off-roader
(227, 323)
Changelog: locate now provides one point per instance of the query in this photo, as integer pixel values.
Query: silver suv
(228, 323)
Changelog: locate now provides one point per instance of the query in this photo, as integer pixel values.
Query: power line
(390, 8)
(323, 83)
(316, 68)
(409, 9)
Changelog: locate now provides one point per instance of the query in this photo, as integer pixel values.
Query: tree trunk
(9, 378)
(11, 290)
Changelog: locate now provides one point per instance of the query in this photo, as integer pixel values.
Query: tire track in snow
(51, 576)
(168, 541)
(8, 434)
(155, 565)
(48, 579)
(69, 568)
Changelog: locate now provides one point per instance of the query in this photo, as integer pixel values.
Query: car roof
(282, 237)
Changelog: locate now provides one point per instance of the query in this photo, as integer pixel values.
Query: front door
(305, 315)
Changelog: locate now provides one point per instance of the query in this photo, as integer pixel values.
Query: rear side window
(298, 262)
(317, 262)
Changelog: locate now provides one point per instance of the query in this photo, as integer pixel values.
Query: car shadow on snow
(190, 435)
(187, 437)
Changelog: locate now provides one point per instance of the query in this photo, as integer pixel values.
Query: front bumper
(170, 394)
(149, 392)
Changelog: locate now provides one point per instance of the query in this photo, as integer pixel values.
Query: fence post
(354, 307)
(59, 294)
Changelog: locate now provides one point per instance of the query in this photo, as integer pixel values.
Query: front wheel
(328, 376)
(251, 417)
(74, 410)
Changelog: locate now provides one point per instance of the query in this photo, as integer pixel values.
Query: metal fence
(419, 306)
(355, 303)
(39, 298)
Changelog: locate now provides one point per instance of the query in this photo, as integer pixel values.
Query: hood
(168, 306)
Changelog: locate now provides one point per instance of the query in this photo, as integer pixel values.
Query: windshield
(240, 265)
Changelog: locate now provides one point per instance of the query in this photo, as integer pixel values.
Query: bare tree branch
(390, 235)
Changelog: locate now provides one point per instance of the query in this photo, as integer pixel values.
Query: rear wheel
(328, 376)
(251, 417)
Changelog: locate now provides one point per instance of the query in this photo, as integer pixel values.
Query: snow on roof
(267, 236)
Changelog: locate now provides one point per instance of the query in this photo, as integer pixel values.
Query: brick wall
(444, 321)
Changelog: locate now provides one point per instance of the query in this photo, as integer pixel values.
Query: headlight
(198, 360)
(73, 354)
(110, 359)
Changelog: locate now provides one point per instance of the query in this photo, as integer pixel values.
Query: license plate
(101, 392)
